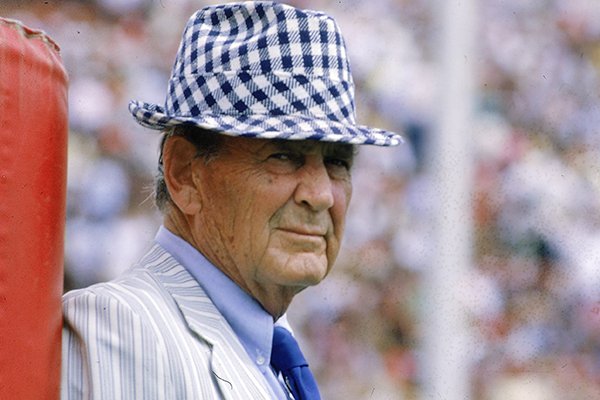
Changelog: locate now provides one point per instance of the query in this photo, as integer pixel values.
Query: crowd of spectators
(533, 289)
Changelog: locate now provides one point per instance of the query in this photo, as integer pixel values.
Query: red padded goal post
(33, 155)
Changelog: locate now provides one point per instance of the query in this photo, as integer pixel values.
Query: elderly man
(254, 183)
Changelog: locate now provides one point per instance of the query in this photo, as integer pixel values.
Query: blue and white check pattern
(263, 69)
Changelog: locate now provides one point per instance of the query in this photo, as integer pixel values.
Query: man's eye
(288, 157)
(281, 156)
(338, 162)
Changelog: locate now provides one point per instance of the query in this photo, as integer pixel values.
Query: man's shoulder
(146, 288)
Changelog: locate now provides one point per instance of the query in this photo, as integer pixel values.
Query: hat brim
(288, 127)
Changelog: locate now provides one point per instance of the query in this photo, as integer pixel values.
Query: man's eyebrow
(345, 150)
(280, 144)
(292, 145)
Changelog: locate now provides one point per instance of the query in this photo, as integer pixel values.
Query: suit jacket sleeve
(108, 353)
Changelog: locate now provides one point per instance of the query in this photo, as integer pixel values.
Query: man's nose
(315, 188)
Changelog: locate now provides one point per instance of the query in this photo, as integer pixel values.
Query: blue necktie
(287, 358)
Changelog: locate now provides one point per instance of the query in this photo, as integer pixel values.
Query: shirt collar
(250, 322)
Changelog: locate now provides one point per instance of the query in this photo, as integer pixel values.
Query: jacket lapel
(232, 368)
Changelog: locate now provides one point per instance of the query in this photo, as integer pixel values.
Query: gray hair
(207, 143)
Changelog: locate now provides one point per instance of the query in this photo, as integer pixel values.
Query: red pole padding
(33, 154)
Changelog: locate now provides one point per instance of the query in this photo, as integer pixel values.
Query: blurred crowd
(533, 290)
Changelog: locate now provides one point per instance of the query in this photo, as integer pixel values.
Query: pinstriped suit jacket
(153, 334)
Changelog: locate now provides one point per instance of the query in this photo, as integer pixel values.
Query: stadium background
(533, 290)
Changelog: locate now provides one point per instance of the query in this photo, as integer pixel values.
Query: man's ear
(178, 159)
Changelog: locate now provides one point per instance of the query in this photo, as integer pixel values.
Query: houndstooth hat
(265, 70)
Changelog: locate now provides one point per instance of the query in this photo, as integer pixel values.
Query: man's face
(272, 212)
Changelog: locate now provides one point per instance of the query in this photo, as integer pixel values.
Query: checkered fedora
(265, 70)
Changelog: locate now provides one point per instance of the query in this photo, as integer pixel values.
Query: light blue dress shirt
(251, 323)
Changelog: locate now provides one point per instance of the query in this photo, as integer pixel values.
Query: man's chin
(285, 267)
(305, 270)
